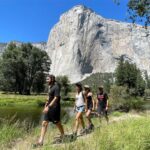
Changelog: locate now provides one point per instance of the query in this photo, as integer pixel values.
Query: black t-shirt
(89, 99)
(54, 91)
(102, 99)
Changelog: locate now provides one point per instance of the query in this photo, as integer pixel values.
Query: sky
(32, 20)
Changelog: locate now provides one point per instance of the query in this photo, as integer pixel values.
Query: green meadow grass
(130, 133)
(12, 99)
(32, 100)
(11, 132)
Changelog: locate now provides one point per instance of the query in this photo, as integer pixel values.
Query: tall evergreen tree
(127, 74)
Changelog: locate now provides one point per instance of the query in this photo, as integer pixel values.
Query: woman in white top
(79, 107)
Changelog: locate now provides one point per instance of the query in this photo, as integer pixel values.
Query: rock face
(82, 43)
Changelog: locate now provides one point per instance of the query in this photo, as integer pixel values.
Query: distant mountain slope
(83, 43)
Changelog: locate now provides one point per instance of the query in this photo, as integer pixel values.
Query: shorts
(53, 114)
(80, 108)
(102, 110)
(90, 106)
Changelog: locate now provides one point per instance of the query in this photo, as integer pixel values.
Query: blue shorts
(80, 108)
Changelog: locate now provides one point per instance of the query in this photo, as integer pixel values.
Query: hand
(86, 110)
(46, 109)
(46, 103)
(106, 108)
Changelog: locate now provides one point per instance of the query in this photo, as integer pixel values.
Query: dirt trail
(25, 144)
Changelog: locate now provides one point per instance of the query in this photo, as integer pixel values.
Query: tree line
(23, 69)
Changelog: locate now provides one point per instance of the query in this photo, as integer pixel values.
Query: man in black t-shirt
(51, 110)
(102, 103)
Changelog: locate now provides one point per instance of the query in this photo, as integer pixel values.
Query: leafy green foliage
(127, 74)
(138, 10)
(23, 68)
(97, 79)
(147, 79)
(121, 99)
(65, 85)
(11, 130)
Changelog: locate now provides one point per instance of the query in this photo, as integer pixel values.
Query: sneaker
(57, 141)
(73, 136)
(83, 131)
(91, 127)
(37, 145)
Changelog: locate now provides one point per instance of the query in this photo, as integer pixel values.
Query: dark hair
(52, 77)
(101, 88)
(79, 85)
(89, 89)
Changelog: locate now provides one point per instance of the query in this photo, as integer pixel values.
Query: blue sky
(31, 20)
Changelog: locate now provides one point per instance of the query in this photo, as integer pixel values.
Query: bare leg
(43, 131)
(82, 122)
(78, 116)
(100, 118)
(106, 116)
(61, 129)
(88, 117)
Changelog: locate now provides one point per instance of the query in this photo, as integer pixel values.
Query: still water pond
(29, 113)
(32, 114)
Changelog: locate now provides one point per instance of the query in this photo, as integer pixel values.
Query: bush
(40, 103)
(135, 103)
(118, 95)
(121, 99)
(97, 79)
(147, 93)
(64, 83)
(11, 130)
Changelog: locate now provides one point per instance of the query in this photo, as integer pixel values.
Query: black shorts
(90, 106)
(53, 114)
(102, 110)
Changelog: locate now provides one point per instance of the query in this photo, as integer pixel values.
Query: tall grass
(11, 130)
(130, 134)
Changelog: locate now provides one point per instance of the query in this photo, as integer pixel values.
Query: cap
(87, 86)
(101, 87)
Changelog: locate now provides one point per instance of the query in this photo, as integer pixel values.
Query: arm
(86, 104)
(46, 101)
(106, 102)
(96, 103)
(51, 104)
(93, 101)
(106, 105)
(56, 97)
(74, 108)
(85, 100)
(53, 101)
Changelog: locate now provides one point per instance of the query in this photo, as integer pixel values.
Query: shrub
(121, 99)
(147, 93)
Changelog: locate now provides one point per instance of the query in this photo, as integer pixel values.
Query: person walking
(51, 110)
(89, 106)
(102, 103)
(79, 108)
